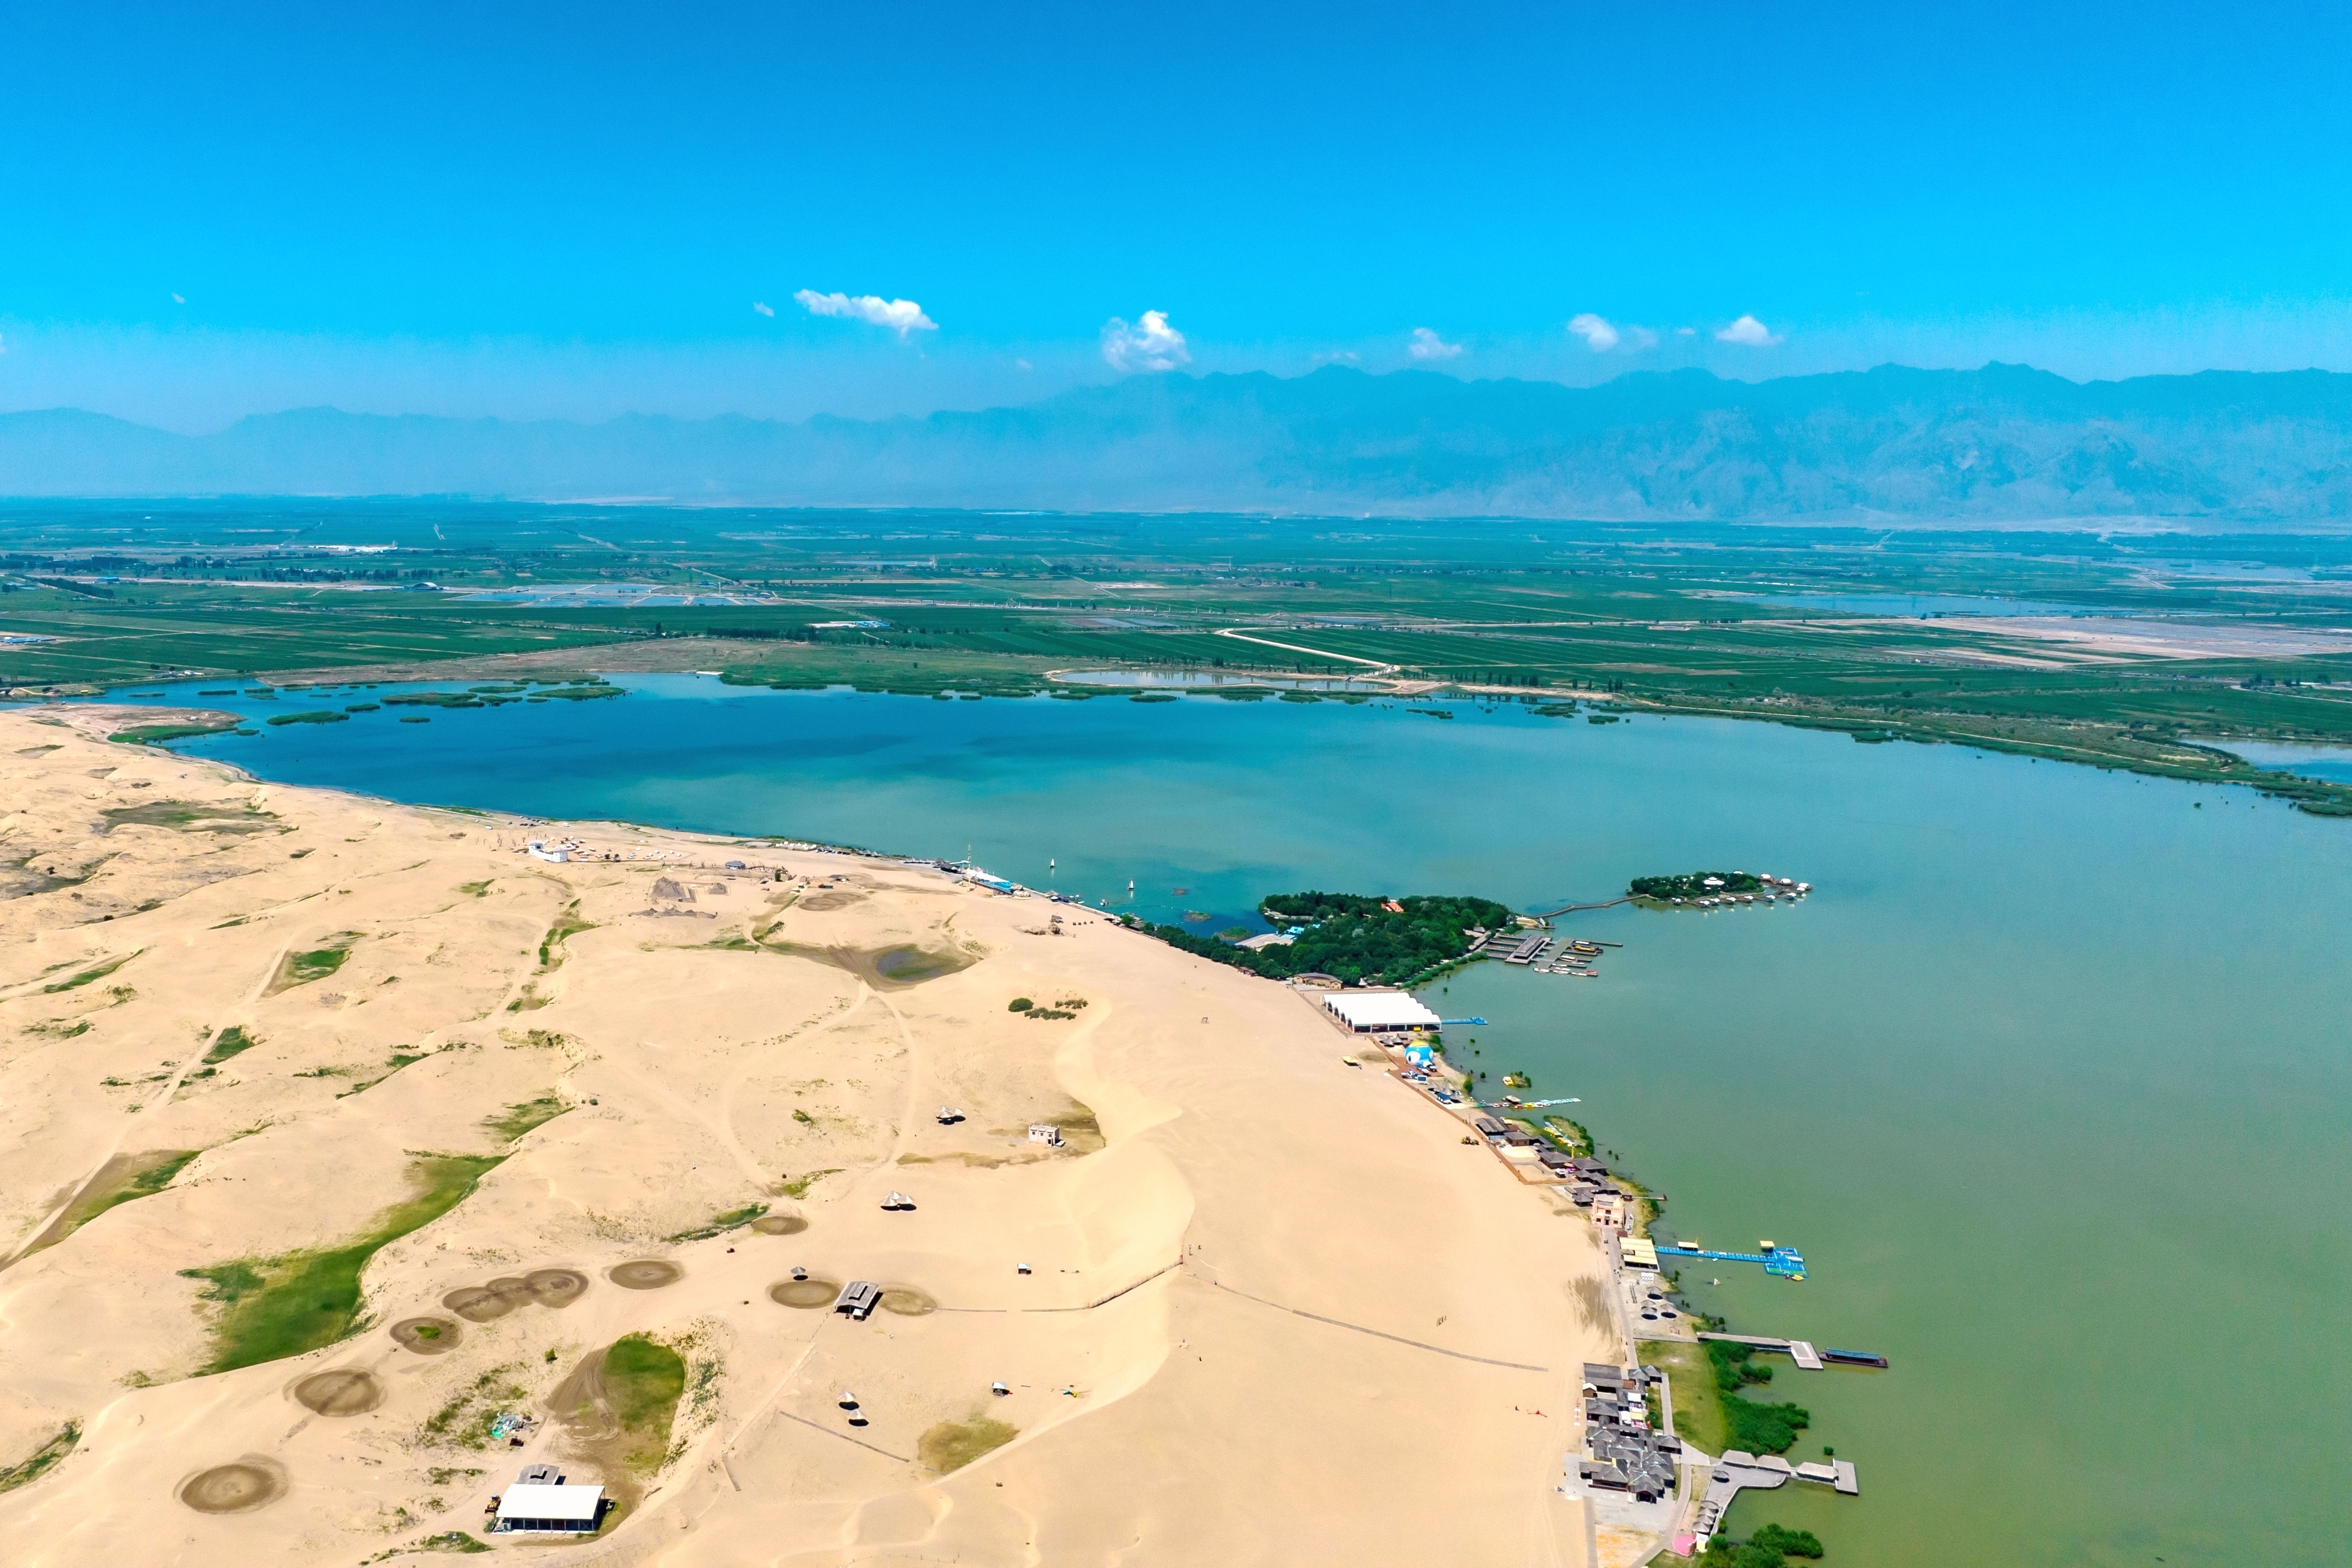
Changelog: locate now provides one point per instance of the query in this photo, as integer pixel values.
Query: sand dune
(1275, 1310)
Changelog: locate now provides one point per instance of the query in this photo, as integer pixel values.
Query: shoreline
(2201, 761)
(1159, 1264)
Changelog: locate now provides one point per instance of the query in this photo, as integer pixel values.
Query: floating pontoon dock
(1785, 1262)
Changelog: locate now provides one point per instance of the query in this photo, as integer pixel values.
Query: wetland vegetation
(1838, 627)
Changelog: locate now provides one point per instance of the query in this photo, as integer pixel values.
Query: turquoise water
(2333, 764)
(2047, 1079)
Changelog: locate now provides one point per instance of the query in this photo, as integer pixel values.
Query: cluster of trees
(1693, 885)
(1770, 1547)
(1355, 937)
(1758, 1428)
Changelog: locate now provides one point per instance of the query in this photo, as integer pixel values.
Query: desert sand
(1275, 1310)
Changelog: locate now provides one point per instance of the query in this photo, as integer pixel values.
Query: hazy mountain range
(2003, 443)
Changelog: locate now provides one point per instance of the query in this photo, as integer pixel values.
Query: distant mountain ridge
(2002, 442)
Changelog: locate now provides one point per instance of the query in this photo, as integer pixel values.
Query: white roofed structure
(1367, 1011)
(558, 1510)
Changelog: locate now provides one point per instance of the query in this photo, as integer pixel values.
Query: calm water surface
(2048, 1079)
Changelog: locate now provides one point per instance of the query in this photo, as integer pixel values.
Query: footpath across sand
(345, 1129)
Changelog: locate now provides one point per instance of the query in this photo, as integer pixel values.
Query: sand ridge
(1273, 1311)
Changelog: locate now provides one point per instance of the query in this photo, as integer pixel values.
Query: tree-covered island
(1357, 938)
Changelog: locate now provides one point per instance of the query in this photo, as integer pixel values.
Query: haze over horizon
(2002, 444)
(577, 213)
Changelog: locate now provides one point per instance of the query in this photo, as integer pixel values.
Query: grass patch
(451, 1541)
(644, 1380)
(952, 1444)
(1698, 1402)
(41, 1460)
(475, 890)
(231, 1041)
(97, 972)
(567, 924)
(912, 965)
(734, 1219)
(315, 716)
(465, 1421)
(799, 1185)
(523, 1116)
(189, 817)
(155, 734)
(271, 1308)
(399, 1059)
(317, 964)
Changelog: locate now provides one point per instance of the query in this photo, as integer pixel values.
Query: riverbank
(1274, 1274)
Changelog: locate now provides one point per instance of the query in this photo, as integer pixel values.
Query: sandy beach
(1257, 1305)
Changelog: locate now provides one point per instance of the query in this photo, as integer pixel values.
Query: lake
(2333, 764)
(2047, 1078)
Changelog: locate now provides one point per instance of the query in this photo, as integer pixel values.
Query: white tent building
(549, 1509)
(1368, 1011)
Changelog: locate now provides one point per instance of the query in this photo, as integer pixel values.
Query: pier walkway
(1737, 1472)
(1785, 1262)
(1571, 909)
(1803, 1351)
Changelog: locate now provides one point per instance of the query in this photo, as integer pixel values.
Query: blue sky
(575, 209)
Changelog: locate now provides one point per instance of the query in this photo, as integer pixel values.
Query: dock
(1784, 1262)
(1801, 1352)
(1735, 1472)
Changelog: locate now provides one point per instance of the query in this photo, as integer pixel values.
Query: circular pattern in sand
(908, 1302)
(426, 1336)
(556, 1287)
(340, 1391)
(483, 1303)
(644, 1274)
(804, 1292)
(779, 1224)
(253, 1482)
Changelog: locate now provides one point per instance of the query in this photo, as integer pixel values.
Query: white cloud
(1749, 331)
(179, 298)
(901, 316)
(1024, 364)
(1685, 331)
(1427, 344)
(1336, 356)
(1150, 344)
(765, 310)
(1598, 334)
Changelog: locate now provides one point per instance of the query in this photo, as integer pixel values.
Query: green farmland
(1862, 630)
